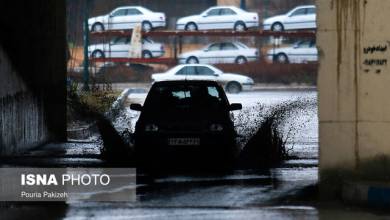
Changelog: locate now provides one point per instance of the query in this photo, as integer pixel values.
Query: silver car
(120, 48)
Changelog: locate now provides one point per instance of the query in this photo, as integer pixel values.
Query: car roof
(305, 6)
(224, 6)
(226, 42)
(185, 82)
(194, 64)
(126, 7)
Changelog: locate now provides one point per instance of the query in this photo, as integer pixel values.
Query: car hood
(95, 46)
(235, 77)
(101, 18)
(191, 53)
(278, 50)
(271, 20)
(184, 20)
(156, 76)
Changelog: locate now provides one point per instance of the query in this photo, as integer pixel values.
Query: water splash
(264, 132)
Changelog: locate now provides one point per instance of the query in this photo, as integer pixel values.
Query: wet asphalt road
(240, 194)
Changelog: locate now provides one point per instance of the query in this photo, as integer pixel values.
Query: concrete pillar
(354, 83)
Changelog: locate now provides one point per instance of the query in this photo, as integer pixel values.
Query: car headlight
(151, 128)
(249, 81)
(216, 127)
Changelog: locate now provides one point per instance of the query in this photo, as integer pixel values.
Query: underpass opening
(285, 82)
(352, 124)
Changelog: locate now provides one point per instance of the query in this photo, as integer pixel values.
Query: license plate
(183, 141)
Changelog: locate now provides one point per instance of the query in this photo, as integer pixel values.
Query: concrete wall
(32, 74)
(354, 79)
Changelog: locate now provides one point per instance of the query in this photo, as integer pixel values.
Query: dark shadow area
(35, 45)
(32, 210)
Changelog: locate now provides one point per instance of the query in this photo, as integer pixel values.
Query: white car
(127, 18)
(224, 52)
(233, 83)
(221, 17)
(120, 48)
(301, 52)
(302, 17)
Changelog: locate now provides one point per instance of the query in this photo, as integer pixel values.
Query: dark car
(185, 123)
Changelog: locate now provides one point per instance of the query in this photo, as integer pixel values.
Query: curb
(256, 86)
(283, 88)
(81, 133)
(370, 194)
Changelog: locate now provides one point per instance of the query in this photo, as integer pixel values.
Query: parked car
(302, 17)
(221, 17)
(127, 18)
(301, 52)
(225, 52)
(233, 83)
(120, 47)
(185, 123)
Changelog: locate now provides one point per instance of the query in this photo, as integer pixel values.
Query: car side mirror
(235, 107)
(206, 50)
(205, 15)
(296, 46)
(136, 107)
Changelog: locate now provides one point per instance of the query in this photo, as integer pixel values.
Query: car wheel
(191, 27)
(281, 58)
(146, 26)
(233, 87)
(240, 26)
(147, 54)
(241, 60)
(277, 27)
(97, 27)
(192, 60)
(98, 54)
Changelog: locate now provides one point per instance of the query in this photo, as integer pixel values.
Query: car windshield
(185, 97)
(298, 12)
(213, 47)
(305, 44)
(228, 46)
(227, 11)
(120, 40)
(239, 10)
(311, 11)
(144, 9)
(212, 12)
(241, 45)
